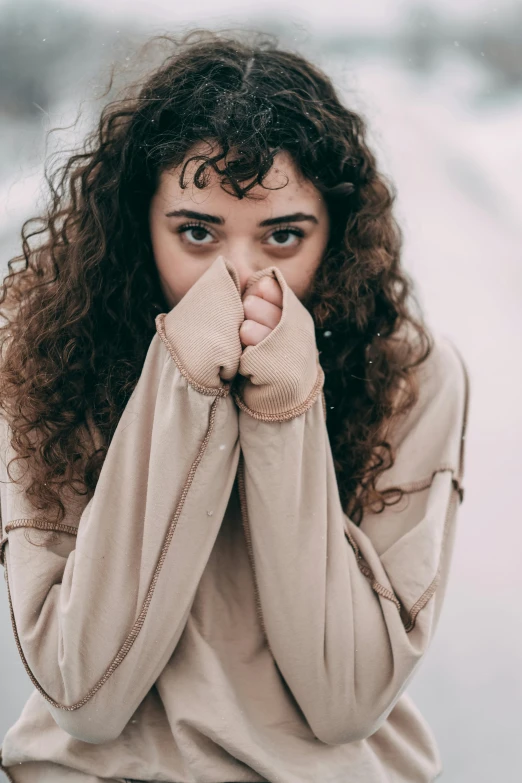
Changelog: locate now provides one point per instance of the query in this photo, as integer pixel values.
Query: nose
(246, 265)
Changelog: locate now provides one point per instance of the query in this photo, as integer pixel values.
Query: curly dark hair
(80, 312)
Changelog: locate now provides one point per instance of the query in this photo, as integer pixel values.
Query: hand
(263, 306)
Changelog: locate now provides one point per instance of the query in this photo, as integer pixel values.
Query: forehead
(290, 188)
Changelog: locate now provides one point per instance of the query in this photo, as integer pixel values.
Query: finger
(261, 311)
(251, 333)
(267, 288)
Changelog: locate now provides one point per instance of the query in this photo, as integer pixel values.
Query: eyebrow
(297, 217)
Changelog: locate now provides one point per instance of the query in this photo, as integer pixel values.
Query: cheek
(162, 245)
(302, 273)
(177, 272)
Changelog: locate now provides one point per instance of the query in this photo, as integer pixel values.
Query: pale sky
(318, 14)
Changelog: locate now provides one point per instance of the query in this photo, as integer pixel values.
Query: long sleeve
(98, 607)
(348, 611)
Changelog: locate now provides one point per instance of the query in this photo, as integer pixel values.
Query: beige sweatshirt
(185, 626)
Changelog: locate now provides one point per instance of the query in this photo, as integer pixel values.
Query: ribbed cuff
(202, 330)
(282, 373)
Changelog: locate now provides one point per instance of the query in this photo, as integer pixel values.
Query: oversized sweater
(209, 613)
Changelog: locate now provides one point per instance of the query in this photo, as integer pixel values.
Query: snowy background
(441, 89)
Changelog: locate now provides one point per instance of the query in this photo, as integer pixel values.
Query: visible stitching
(425, 597)
(423, 483)
(39, 524)
(291, 414)
(408, 617)
(368, 573)
(221, 391)
(420, 484)
(136, 628)
(457, 487)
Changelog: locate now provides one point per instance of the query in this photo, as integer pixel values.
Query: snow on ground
(455, 155)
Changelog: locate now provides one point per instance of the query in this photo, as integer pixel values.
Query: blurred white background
(441, 89)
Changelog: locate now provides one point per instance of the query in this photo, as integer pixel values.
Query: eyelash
(281, 230)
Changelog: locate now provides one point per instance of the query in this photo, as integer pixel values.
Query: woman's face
(190, 228)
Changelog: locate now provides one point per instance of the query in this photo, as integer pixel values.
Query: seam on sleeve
(140, 620)
(421, 602)
(287, 415)
(39, 524)
(418, 485)
(221, 391)
(368, 573)
(408, 617)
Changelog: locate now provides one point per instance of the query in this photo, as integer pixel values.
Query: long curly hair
(79, 313)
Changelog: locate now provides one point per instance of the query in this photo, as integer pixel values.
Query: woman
(233, 457)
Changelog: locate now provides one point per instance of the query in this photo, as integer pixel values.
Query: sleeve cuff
(202, 331)
(281, 375)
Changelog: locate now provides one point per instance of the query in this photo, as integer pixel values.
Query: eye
(281, 235)
(197, 229)
(286, 233)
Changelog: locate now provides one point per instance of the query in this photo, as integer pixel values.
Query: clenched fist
(263, 306)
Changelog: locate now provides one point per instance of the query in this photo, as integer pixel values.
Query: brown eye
(283, 234)
(198, 231)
